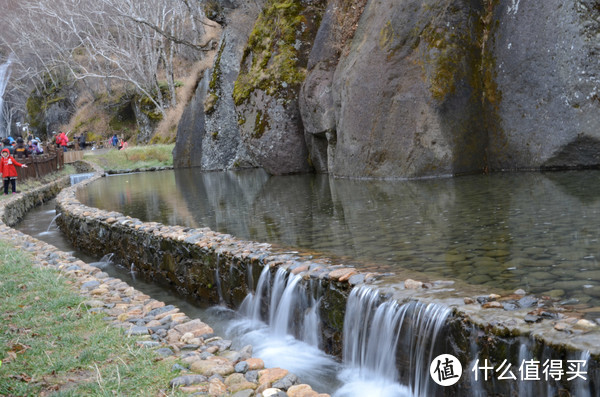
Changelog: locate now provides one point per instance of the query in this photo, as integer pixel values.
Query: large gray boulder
(208, 134)
(316, 99)
(222, 146)
(407, 95)
(267, 89)
(547, 72)
(190, 131)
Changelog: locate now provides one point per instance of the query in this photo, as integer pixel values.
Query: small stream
(277, 349)
(387, 346)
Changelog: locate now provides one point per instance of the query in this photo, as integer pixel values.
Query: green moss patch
(214, 86)
(270, 60)
(261, 124)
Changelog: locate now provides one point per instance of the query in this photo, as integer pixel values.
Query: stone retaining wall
(209, 365)
(13, 210)
(218, 268)
(199, 263)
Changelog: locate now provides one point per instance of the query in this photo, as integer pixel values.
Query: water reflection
(530, 230)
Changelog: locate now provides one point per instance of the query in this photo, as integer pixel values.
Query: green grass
(132, 157)
(51, 345)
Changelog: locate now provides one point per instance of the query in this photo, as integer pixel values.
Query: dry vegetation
(146, 59)
(167, 129)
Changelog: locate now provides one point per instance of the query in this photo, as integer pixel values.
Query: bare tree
(127, 41)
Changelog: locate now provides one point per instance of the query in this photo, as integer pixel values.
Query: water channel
(373, 331)
(536, 231)
(274, 345)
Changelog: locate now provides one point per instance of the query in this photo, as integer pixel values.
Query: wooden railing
(39, 165)
(72, 156)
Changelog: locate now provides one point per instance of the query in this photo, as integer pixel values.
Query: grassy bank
(132, 157)
(51, 345)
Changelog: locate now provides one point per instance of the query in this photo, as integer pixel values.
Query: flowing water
(388, 346)
(285, 332)
(375, 330)
(536, 231)
(76, 178)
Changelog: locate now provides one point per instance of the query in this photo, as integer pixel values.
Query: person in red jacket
(62, 140)
(8, 170)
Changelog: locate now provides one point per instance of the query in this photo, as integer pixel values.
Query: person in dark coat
(7, 145)
(21, 150)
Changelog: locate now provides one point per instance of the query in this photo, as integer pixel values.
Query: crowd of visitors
(20, 147)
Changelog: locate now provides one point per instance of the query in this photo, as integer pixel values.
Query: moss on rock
(270, 60)
(214, 86)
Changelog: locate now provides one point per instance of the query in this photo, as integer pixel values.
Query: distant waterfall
(76, 178)
(4, 76)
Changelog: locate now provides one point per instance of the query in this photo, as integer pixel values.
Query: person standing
(8, 170)
(82, 141)
(36, 148)
(6, 145)
(21, 150)
(63, 140)
(55, 139)
(115, 140)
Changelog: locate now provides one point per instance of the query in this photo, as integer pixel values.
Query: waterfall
(477, 389)
(53, 222)
(376, 332)
(278, 286)
(281, 320)
(76, 178)
(285, 309)
(581, 388)
(252, 304)
(291, 310)
(218, 280)
(311, 332)
(4, 76)
(525, 387)
(104, 262)
(250, 276)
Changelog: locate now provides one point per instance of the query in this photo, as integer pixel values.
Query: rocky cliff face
(266, 91)
(208, 135)
(406, 100)
(546, 70)
(389, 89)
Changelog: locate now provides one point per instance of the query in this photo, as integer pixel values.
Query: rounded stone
(241, 367)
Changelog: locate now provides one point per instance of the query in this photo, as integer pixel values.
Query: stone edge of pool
(241, 375)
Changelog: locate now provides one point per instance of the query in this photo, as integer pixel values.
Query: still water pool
(536, 231)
